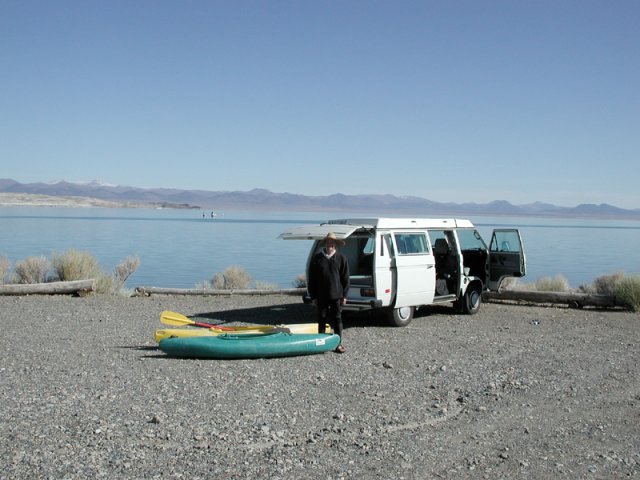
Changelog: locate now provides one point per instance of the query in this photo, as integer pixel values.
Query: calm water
(180, 248)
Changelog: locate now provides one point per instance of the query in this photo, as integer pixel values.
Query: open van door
(506, 257)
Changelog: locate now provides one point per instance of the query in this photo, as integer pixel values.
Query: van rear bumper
(362, 305)
(353, 304)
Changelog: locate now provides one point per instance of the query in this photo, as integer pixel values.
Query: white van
(399, 264)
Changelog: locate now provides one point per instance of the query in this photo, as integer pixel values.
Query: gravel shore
(512, 392)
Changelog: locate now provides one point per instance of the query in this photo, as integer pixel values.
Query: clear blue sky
(447, 100)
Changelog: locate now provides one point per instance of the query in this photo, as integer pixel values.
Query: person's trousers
(330, 311)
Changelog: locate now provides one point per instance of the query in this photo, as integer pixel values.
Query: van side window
(505, 241)
(411, 243)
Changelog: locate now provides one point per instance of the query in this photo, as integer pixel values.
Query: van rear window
(411, 243)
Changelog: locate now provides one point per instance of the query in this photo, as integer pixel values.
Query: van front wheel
(400, 317)
(471, 300)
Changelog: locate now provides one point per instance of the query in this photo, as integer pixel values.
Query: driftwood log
(79, 287)
(84, 287)
(146, 291)
(575, 300)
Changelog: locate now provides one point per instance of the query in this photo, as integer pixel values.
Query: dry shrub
(300, 281)
(75, 265)
(262, 285)
(104, 283)
(509, 283)
(627, 292)
(587, 288)
(123, 270)
(217, 281)
(204, 285)
(555, 284)
(33, 269)
(606, 284)
(233, 278)
(5, 265)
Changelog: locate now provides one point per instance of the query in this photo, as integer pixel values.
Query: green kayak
(260, 345)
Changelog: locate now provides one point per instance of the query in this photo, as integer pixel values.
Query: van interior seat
(441, 247)
(446, 263)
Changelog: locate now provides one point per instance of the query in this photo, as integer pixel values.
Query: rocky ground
(513, 392)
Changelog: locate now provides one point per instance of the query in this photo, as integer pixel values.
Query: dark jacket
(328, 277)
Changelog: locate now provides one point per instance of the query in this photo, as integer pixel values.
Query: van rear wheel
(400, 317)
(471, 300)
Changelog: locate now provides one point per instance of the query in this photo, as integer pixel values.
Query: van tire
(400, 317)
(471, 300)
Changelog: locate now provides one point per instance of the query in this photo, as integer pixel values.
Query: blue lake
(181, 248)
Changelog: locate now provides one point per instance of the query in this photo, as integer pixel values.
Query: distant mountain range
(260, 199)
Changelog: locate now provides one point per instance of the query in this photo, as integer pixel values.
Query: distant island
(94, 194)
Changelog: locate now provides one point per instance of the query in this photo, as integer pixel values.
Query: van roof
(391, 222)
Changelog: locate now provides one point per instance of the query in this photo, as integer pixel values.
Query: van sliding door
(415, 269)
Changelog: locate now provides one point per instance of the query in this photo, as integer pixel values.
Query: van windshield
(470, 240)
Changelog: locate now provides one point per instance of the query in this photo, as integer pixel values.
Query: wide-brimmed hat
(332, 236)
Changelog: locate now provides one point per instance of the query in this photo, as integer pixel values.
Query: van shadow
(266, 315)
(288, 314)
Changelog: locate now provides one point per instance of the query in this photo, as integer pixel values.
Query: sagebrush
(233, 278)
(552, 284)
(124, 270)
(602, 285)
(33, 269)
(262, 285)
(627, 292)
(542, 284)
(300, 281)
(69, 266)
(74, 265)
(5, 266)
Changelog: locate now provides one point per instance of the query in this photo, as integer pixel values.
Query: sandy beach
(513, 392)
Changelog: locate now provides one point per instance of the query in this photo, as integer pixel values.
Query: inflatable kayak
(261, 345)
(249, 329)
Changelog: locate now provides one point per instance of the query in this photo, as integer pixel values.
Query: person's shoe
(340, 349)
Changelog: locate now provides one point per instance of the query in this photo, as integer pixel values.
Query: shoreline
(37, 200)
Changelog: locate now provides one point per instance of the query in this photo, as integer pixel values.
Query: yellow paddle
(172, 318)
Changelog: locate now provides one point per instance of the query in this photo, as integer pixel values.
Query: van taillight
(367, 292)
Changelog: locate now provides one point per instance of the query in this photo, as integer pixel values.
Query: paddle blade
(173, 318)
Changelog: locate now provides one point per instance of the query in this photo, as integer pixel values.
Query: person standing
(328, 285)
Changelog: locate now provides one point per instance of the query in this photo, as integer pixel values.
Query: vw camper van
(400, 264)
